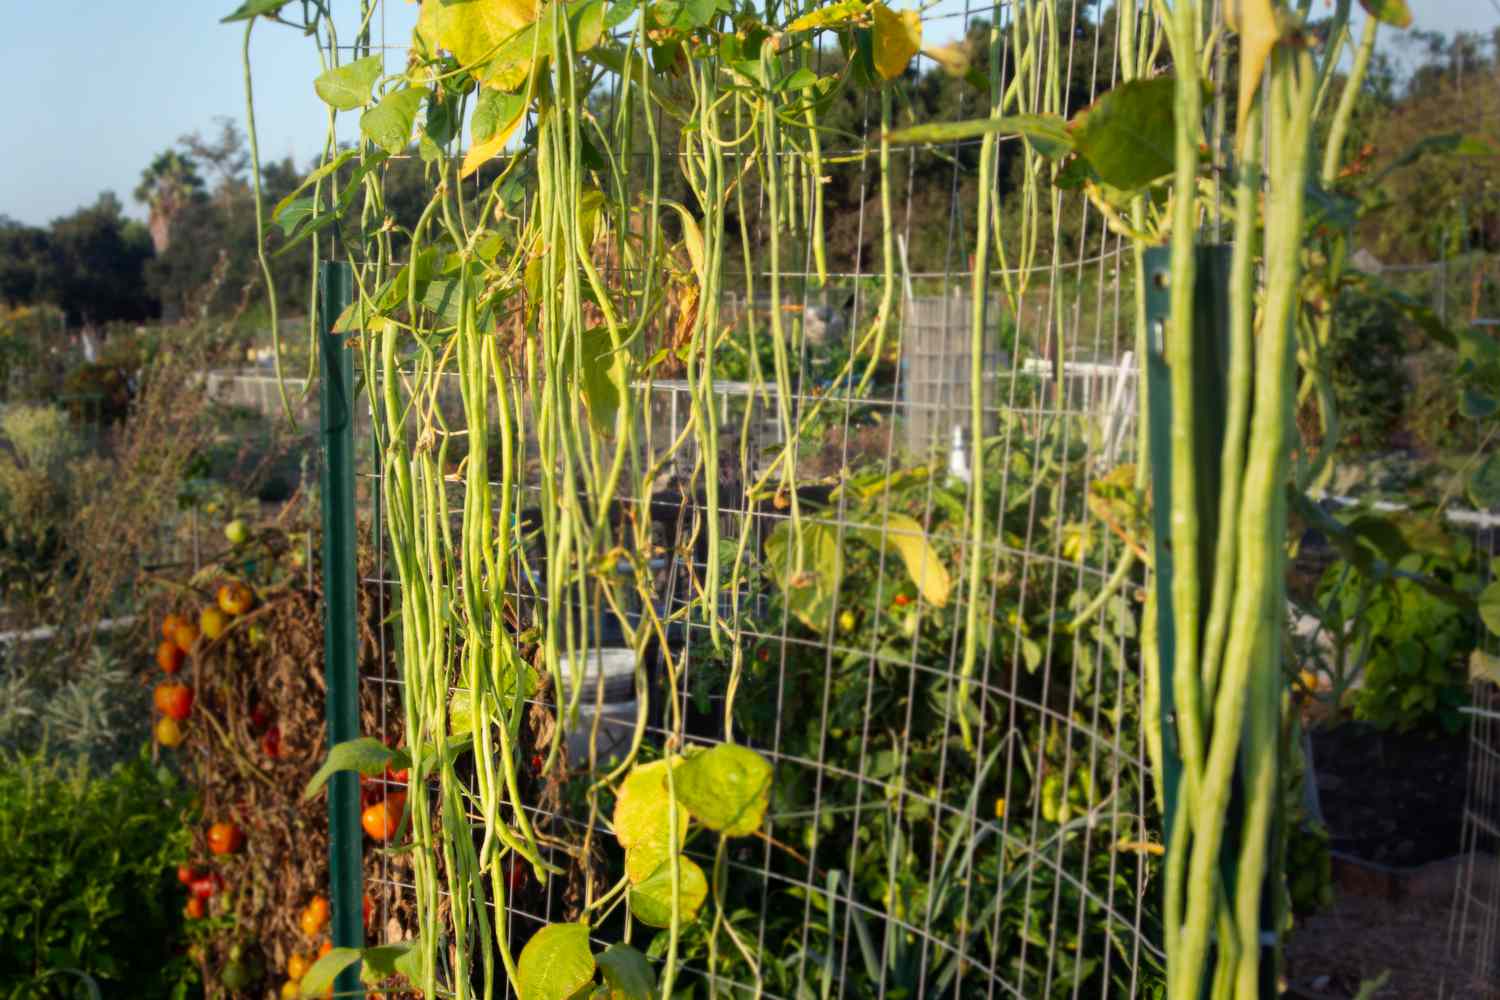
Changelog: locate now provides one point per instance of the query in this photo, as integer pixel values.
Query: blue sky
(97, 88)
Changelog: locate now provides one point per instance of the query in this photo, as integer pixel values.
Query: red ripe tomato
(202, 887)
(515, 875)
(260, 717)
(168, 656)
(173, 700)
(901, 600)
(399, 777)
(194, 909)
(270, 743)
(225, 838)
(383, 819)
(186, 874)
(368, 908)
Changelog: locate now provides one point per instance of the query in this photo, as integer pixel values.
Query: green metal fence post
(340, 607)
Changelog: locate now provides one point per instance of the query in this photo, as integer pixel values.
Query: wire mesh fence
(959, 802)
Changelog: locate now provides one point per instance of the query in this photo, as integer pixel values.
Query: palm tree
(167, 185)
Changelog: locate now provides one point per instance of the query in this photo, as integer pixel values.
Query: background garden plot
(894, 861)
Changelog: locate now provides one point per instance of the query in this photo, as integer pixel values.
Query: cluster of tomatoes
(180, 636)
(313, 921)
(224, 838)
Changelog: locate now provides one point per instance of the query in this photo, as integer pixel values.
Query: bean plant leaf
(556, 963)
(1484, 667)
(1127, 135)
(316, 980)
(651, 899)
(726, 788)
(1489, 607)
(644, 858)
(311, 179)
(366, 754)
(1048, 134)
(627, 974)
(1392, 12)
(692, 237)
(473, 29)
(603, 372)
(832, 15)
(348, 87)
(492, 126)
(954, 59)
(1259, 26)
(897, 37)
(1484, 484)
(681, 15)
(389, 123)
(905, 535)
(382, 961)
(641, 808)
(810, 588)
(255, 8)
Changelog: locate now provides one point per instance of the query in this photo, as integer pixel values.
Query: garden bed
(1395, 799)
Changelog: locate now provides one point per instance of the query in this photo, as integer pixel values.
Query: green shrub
(1398, 640)
(87, 886)
(1366, 365)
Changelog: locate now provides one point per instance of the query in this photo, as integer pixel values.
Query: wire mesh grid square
(893, 862)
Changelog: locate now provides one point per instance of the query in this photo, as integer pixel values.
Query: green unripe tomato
(236, 532)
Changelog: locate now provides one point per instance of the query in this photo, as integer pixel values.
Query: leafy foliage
(88, 879)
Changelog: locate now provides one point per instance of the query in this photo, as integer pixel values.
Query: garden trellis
(775, 697)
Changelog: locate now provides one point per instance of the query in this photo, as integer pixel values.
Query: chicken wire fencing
(959, 802)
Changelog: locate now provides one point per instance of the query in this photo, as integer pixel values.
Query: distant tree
(28, 263)
(101, 257)
(167, 187)
(226, 155)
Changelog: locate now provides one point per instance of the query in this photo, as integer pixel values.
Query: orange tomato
(290, 990)
(383, 819)
(186, 636)
(296, 967)
(315, 916)
(173, 700)
(235, 598)
(194, 909)
(168, 656)
(225, 838)
(326, 947)
(169, 626)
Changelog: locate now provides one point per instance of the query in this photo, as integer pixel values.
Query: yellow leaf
(482, 153)
(897, 38)
(927, 572)
(954, 58)
(692, 237)
(1259, 28)
(473, 29)
(832, 15)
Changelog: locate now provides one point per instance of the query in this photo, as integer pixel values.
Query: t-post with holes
(340, 636)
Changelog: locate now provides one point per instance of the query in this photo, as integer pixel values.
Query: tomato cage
(848, 700)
